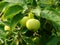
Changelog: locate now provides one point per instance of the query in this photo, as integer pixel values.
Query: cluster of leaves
(46, 11)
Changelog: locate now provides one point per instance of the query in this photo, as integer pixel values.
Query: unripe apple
(6, 27)
(36, 40)
(33, 24)
(23, 21)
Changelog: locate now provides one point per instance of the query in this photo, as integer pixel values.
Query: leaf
(15, 20)
(54, 41)
(2, 34)
(1, 26)
(24, 31)
(47, 1)
(34, 3)
(29, 1)
(13, 42)
(11, 11)
(27, 40)
(25, 7)
(58, 9)
(56, 25)
(37, 11)
(58, 33)
(2, 5)
(14, 1)
(53, 17)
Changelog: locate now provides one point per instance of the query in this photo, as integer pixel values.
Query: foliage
(46, 11)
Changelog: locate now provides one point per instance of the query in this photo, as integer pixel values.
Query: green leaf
(53, 17)
(28, 40)
(58, 9)
(37, 11)
(47, 1)
(2, 5)
(54, 41)
(4, 23)
(50, 15)
(14, 1)
(29, 1)
(34, 3)
(12, 11)
(1, 27)
(56, 25)
(15, 20)
(13, 42)
(23, 31)
(58, 33)
(2, 34)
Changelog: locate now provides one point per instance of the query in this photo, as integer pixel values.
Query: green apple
(23, 21)
(6, 27)
(33, 24)
(36, 40)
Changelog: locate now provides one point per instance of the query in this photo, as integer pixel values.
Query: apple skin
(23, 21)
(36, 40)
(6, 27)
(33, 24)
